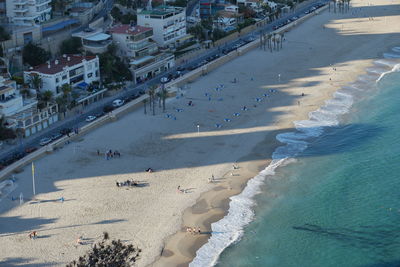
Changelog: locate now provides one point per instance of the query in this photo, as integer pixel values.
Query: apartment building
(76, 70)
(28, 12)
(136, 44)
(23, 113)
(168, 23)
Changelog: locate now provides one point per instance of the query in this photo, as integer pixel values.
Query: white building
(23, 113)
(28, 12)
(136, 44)
(168, 23)
(75, 70)
(94, 40)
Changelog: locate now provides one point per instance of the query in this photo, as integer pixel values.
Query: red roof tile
(62, 62)
(127, 29)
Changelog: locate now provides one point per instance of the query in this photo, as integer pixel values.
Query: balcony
(21, 10)
(20, 2)
(96, 47)
(42, 2)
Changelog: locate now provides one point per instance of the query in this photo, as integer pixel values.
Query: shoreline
(213, 206)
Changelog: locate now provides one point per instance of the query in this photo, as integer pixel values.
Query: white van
(117, 103)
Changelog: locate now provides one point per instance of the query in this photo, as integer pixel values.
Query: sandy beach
(318, 57)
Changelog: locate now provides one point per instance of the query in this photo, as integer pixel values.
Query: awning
(83, 85)
(98, 37)
(141, 60)
(184, 38)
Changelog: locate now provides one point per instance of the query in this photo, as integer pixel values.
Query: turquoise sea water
(338, 203)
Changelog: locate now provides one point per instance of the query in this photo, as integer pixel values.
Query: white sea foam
(230, 229)
(396, 49)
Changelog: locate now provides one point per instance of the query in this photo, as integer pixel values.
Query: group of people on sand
(109, 154)
(32, 235)
(127, 183)
(193, 230)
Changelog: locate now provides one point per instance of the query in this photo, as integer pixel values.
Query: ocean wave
(230, 229)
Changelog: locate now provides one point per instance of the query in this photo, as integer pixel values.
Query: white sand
(181, 156)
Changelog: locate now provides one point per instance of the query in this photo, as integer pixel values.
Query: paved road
(97, 108)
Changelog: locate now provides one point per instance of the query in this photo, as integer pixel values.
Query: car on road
(45, 141)
(192, 67)
(180, 68)
(294, 18)
(117, 103)
(90, 118)
(165, 79)
(30, 149)
(56, 136)
(65, 131)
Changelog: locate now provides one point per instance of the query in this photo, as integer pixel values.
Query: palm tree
(66, 89)
(158, 94)
(144, 104)
(164, 95)
(152, 94)
(47, 96)
(36, 82)
(62, 104)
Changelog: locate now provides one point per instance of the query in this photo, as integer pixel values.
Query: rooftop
(162, 10)
(127, 29)
(57, 65)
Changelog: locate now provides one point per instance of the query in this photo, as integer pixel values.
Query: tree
(34, 55)
(60, 5)
(164, 95)
(36, 82)
(152, 94)
(108, 253)
(5, 133)
(144, 104)
(47, 96)
(62, 103)
(197, 31)
(4, 35)
(66, 89)
(72, 45)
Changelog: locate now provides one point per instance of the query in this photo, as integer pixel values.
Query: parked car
(192, 67)
(45, 141)
(117, 103)
(30, 149)
(65, 131)
(165, 79)
(56, 136)
(90, 118)
(180, 68)
(108, 108)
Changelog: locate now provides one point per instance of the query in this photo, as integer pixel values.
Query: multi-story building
(75, 70)
(136, 44)
(23, 113)
(28, 12)
(168, 23)
(94, 40)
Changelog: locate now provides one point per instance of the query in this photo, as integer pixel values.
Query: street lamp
(198, 129)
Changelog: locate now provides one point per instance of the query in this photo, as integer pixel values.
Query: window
(57, 89)
(90, 75)
(57, 80)
(96, 64)
(97, 73)
(64, 77)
